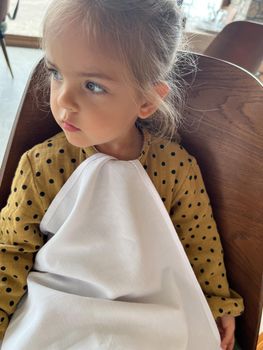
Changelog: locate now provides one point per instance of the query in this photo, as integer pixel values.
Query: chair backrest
(239, 42)
(33, 124)
(223, 129)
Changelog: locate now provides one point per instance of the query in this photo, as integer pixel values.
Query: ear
(150, 106)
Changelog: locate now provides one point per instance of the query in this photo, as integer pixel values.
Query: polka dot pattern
(42, 172)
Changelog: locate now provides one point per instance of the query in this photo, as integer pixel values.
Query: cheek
(52, 101)
(52, 107)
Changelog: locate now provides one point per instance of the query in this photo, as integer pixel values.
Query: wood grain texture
(223, 129)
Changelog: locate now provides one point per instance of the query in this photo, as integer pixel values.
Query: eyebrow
(98, 75)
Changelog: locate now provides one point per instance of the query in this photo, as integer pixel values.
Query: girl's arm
(193, 219)
(20, 239)
(41, 173)
(194, 222)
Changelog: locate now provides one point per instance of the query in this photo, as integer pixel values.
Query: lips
(69, 127)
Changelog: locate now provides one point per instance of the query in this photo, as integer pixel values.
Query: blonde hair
(146, 36)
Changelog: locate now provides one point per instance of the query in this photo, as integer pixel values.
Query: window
(202, 14)
(29, 17)
(213, 15)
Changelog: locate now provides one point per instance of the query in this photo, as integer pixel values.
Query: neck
(128, 148)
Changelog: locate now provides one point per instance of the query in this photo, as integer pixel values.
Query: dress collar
(147, 139)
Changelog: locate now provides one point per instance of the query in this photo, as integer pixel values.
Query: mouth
(69, 127)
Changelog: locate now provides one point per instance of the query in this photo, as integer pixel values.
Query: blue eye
(95, 88)
(55, 74)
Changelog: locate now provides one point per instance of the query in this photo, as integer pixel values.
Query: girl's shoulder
(55, 145)
(54, 156)
(52, 150)
(47, 166)
(168, 152)
(165, 159)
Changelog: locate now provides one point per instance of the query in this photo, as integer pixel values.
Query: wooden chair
(223, 129)
(239, 42)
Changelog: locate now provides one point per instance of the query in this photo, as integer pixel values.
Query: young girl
(110, 65)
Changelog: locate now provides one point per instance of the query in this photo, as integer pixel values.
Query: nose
(66, 98)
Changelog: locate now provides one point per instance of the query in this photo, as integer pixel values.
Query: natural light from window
(31, 13)
(29, 17)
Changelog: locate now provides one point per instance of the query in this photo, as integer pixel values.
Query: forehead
(73, 49)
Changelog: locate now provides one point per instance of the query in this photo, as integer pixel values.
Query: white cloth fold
(113, 274)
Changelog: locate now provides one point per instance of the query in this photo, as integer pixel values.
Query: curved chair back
(223, 128)
(239, 42)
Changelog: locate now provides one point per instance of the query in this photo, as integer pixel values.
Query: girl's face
(89, 99)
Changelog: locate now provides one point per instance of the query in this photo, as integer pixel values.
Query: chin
(77, 140)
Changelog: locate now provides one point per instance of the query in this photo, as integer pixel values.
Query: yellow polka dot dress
(42, 172)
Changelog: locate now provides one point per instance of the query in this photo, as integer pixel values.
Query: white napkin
(113, 274)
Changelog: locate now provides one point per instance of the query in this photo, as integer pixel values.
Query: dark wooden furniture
(223, 128)
(239, 42)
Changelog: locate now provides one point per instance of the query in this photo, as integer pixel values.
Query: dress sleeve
(20, 239)
(193, 219)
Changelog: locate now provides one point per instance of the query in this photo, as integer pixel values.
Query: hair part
(145, 36)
